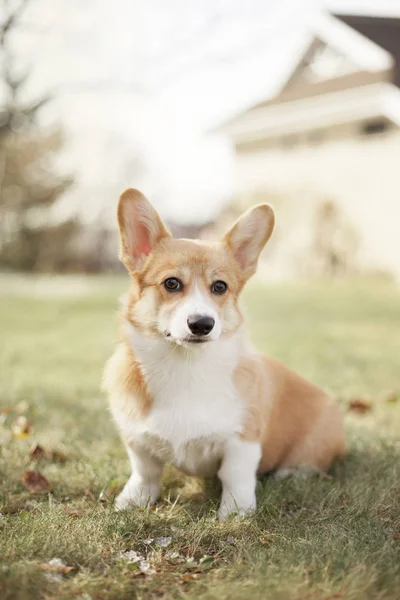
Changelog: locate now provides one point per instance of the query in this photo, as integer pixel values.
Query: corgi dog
(184, 386)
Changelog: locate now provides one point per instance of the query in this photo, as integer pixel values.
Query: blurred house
(325, 150)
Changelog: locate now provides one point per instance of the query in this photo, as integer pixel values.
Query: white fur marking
(197, 303)
(238, 476)
(196, 408)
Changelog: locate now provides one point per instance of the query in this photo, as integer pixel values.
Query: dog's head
(186, 291)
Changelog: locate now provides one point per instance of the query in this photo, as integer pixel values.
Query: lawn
(323, 538)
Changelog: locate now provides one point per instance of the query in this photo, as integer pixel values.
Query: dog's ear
(141, 229)
(248, 236)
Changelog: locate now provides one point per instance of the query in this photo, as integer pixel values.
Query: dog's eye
(173, 285)
(219, 287)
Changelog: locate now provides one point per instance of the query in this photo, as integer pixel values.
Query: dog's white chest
(201, 457)
(195, 408)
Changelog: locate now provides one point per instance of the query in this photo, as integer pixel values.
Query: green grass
(313, 539)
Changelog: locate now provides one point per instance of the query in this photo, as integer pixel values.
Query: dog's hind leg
(298, 472)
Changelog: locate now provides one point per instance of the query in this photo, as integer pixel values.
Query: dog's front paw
(230, 507)
(137, 493)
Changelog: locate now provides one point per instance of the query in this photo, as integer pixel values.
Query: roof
(383, 31)
(314, 113)
(371, 44)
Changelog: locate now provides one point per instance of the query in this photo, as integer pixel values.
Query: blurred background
(207, 107)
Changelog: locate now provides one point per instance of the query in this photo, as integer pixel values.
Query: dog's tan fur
(299, 426)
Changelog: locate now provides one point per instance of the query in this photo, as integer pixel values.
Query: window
(374, 127)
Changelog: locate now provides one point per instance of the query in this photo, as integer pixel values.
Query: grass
(317, 539)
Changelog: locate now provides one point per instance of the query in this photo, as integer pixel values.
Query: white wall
(360, 173)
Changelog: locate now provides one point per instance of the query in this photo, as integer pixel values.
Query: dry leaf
(21, 427)
(162, 541)
(74, 513)
(131, 556)
(58, 456)
(36, 452)
(360, 406)
(6, 410)
(35, 482)
(146, 568)
(56, 565)
(396, 535)
(189, 577)
(135, 558)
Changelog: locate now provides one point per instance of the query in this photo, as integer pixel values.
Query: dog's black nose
(199, 325)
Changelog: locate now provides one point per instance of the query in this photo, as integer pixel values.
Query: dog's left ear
(141, 229)
(249, 235)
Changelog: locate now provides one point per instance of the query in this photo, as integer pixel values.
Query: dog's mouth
(190, 339)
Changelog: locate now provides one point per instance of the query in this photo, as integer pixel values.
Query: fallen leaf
(146, 568)
(162, 541)
(36, 452)
(35, 482)
(21, 427)
(360, 406)
(6, 410)
(133, 557)
(56, 565)
(189, 577)
(396, 535)
(58, 456)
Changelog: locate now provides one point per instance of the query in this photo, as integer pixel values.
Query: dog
(184, 386)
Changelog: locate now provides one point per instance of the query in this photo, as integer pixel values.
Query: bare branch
(31, 110)
(12, 19)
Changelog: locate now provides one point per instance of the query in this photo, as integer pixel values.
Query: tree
(32, 238)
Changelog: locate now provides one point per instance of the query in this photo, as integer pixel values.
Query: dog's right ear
(141, 228)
